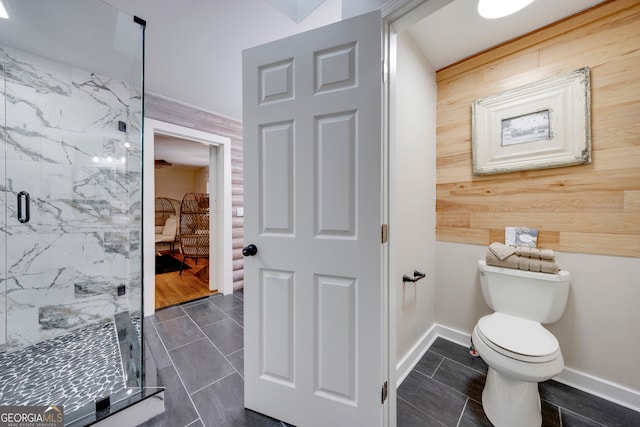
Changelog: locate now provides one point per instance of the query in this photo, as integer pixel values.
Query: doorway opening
(187, 162)
(185, 213)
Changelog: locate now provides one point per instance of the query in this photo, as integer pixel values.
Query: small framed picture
(521, 236)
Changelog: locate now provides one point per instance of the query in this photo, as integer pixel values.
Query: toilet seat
(518, 338)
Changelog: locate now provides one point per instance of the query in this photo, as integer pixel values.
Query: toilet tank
(541, 297)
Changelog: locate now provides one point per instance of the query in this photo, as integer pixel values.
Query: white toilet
(520, 352)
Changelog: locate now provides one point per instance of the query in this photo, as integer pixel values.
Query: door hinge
(385, 392)
(384, 233)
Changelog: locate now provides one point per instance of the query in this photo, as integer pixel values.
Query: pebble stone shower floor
(71, 370)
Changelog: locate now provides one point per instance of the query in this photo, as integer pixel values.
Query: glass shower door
(70, 295)
(3, 213)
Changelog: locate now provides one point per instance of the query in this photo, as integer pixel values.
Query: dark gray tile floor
(195, 350)
(445, 389)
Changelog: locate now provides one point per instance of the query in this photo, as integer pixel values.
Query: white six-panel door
(313, 208)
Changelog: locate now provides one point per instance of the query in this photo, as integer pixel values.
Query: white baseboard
(588, 383)
(404, 366)
(458, 337)
(608, 390)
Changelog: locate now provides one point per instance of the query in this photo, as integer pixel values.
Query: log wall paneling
(585, 209)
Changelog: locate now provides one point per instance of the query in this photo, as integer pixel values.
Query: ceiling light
(492, 9)
(3, 11)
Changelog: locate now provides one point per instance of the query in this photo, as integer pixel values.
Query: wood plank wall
(169, 111)
(585, 209)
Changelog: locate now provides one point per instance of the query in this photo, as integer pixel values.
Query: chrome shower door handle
(24, 208)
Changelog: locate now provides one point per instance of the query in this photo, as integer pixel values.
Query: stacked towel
(534, 252)
(522, 258)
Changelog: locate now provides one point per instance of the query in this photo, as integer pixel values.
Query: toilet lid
(520, 336)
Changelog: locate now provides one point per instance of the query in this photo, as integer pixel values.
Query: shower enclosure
(71, 114)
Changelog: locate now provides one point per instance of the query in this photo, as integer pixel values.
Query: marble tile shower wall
(61, 143)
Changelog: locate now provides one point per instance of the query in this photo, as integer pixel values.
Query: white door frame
(398, 16)
(224, 226)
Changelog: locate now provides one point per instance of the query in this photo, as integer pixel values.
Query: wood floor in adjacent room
(173, 288)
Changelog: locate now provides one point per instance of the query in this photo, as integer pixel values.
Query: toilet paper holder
(416, 276)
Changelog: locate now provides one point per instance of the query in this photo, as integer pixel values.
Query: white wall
(598, 332)
(412, 194)
(351, 8)
(193, 49)
(459, 302)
